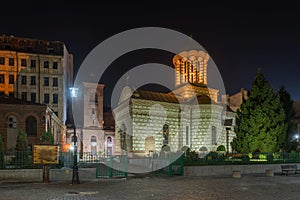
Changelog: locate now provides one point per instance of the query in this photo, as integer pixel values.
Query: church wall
(145, 126)
(87, 144)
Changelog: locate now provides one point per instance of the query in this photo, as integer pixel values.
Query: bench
(286, 169)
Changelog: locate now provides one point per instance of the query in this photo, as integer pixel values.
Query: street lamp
(75, 177)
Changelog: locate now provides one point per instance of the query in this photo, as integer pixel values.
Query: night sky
(240, 38)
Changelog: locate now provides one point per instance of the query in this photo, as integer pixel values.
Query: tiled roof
(170, 97)
(155, 96)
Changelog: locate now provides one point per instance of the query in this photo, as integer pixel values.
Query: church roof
(155, 96)
(170, 97)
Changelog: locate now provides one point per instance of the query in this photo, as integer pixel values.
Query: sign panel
(45, 154)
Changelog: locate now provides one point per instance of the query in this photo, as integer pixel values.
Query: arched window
(109, 140)
(12, 122)
(93, 140)
(31, 126)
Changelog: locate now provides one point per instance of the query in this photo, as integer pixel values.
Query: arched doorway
(149, 144)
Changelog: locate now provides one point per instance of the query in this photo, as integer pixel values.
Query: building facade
(148, 121)
(94, 129)
(37, 71)
(33, 118)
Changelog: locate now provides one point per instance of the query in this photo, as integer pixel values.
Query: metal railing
(219, 158)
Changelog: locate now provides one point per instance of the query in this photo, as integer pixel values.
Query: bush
(262, 157)
(212, 156)
(246, 158)
(221, 148)
(22, 155)
(270, 157)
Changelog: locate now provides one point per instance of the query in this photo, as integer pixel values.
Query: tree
(289, 110)
(260, 122)
(47, 137)
(22, 154)
(1, 153)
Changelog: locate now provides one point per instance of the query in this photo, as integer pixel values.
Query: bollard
(236, 174)
(269, 172)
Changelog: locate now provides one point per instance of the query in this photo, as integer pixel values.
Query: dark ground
(256, 186)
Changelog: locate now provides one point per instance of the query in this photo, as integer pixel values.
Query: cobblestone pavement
(214, 187)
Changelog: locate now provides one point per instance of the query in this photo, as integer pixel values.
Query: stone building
(148, 121)
(33, 118)
(36, 70)
(95, 130)
(235, 101)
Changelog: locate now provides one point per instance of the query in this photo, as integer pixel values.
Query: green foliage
(270, 157)
(1, 152)
(260, 120)
(47, 137)
(291, 127)
(221, 148)
(21, 157)
(250, 155)
(262, 157)
(246, 158)
(212, 155)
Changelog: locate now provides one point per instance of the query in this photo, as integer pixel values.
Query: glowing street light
(75, 177)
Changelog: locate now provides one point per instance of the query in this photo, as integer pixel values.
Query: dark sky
(239, 37)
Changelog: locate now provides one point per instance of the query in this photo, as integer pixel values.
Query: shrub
(212, 155)
(270, 157)
(262, 157)
(221, 148)
(246, 158)
(22, 155)
(47, 137)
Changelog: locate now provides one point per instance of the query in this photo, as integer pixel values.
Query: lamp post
(75, 177)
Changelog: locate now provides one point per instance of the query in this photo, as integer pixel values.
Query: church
(191, 116)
